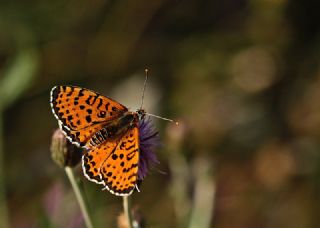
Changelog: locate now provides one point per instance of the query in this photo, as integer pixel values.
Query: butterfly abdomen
(114, 129)
(99, 137)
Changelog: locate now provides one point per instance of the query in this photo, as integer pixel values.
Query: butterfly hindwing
(93, 160)
(82, 112)
(120, 171)
(115, 164)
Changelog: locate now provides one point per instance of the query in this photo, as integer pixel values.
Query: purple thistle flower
(149, 141)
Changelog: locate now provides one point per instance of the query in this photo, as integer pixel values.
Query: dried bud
(122, 221)
(63, 152)
(138, 219)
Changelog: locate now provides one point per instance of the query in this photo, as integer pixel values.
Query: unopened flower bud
(63, 152)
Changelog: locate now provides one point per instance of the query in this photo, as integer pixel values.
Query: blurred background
(242, 77)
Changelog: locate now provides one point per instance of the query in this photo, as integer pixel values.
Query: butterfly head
(141, 113)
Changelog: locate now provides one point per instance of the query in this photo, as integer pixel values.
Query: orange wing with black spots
(93, 160)
(115, 164)
(82, 112)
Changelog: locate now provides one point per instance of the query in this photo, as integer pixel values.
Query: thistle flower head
(149, 141)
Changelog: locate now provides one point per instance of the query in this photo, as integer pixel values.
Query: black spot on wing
(88, 118)
(100, 103)
(81, 93)
(114, 157)
(88, 100)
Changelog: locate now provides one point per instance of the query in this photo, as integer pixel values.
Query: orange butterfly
(107, 129)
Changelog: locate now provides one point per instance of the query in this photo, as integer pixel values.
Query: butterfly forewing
(82, 112)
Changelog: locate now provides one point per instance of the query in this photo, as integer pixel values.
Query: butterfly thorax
(114, 129)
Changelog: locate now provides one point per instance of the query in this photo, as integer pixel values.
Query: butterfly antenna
(160, 117)
(142, 98)
(144, 87)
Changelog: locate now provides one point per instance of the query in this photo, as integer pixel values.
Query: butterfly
(107, 129)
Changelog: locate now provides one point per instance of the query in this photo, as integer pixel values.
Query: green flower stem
(3, 202)
(127, 210)
(79, 197)
(204, 193)
(16, 79)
